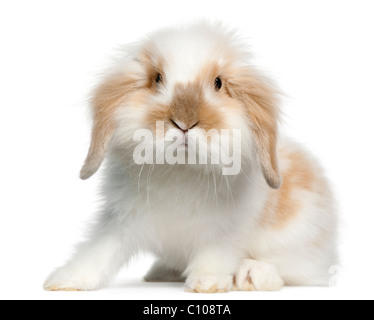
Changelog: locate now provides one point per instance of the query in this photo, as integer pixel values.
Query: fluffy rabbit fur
(271, 225)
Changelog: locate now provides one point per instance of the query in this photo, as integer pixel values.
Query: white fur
(201, 225)
(258, 276)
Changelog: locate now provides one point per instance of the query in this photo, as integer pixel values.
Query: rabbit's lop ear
(108, 96)
(261, 105)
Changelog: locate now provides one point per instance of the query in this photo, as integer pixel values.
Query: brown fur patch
(158, 113)
(210, 119)
(154, 66)
(189, 107)
(107, 98)
(186, 104)
(282, 205)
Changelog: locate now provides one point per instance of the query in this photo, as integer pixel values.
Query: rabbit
(269, 225)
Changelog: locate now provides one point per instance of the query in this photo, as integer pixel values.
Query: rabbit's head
(192, 80)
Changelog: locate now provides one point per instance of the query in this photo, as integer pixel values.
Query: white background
(320, 53)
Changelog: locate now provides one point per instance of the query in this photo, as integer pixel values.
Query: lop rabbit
(269, 223)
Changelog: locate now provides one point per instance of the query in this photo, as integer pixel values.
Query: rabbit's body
(219, 232)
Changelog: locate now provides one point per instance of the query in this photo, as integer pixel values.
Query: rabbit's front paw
(258, 276)
(69, 279)
(202, 283)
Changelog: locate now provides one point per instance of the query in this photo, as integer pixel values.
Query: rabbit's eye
(159, 78)
(218, 83)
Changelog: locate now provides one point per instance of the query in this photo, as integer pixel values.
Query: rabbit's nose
(182, 126)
